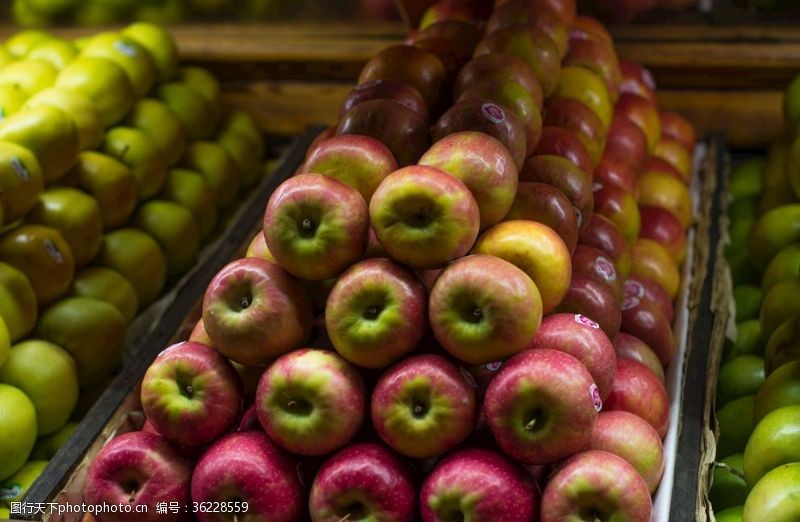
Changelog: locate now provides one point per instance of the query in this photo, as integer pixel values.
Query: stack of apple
(758, 389)
(491, 334)
(114, 164)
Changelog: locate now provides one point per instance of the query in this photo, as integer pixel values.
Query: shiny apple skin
(574, 116)
(627, 346)
(501, 67)
(604, 235)
(638, 391)
(610, 171)
(644, 288)
(395, 90)
(547, 205)
(569, 179)
(620, 207)
(561, 142)
(627, 143)
(645, 320)
(594, 262)
(661, 225)
(420, 69)
(590, 297)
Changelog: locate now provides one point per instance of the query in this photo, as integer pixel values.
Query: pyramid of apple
(460, 306)
(114, 164)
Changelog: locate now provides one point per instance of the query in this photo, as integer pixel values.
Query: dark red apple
(395, 90)
(546, 204)
(594, 262)
(561, 142)
(627, 346)
(643, 113)
(516, 12)
(663, 227)
(645, 320)
(604, 235)
(588, 28)
(645, 288)
(637, 80)
(656, 164)
(453, 55)
(565, 176)
(611, 171)
(468, 33)
(625, 142)
(594, 299)
(598, 57)
(620, 207)
(573, 115)
(500, 68)
(675, 126)
(637, 390)
(418, 68)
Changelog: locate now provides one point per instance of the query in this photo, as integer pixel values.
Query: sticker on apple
(634, 288)
(494, 113)
(10, 491)
(493, 366)
(53, 251)
(20, 168)
(585, 321)
(468, 377)
(125, 48)
(594, 393)
(605, 268)
(629, 302)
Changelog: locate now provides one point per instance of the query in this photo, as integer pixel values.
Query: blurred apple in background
(664, 191)
(650, 259)
(560, 142)
(158, 43)
(419, 68)
(394, 90)
(502, 68)
(627, 143)
(573, 115)
(18, 417)
(211, 160)
(603, 234)
(587, 87)
(627, 346)
(643, 113)
(128, 54)
(620, 207)
(189, 106)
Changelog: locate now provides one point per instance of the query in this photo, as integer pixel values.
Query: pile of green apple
(488, 246)
(758, 390)
(115, 164)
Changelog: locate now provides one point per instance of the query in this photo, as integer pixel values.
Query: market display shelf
(169, 319)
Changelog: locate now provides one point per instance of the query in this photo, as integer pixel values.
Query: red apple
(596, 485)
(673, 152)
(249, 420)
(661, 226)
(646, 289)
(246, 467)
(662, 166)
(542, 406)
(604, 235)
(488, 117)
(588, 28)
(447, 10)
(627, 143)
(483, 309)
(547, 205)
(327, 132)
(376, 313)
(637, 390)
(424, 217)
(645, 320)
(611, 171)
(423, 406)
(469, 33)
(643, 113)
(199, 334)
(583, 339)
(253, 311)
(418, 68)
(452, 53)
(620, 207)
(573, 115)
(637, 80)
(665, 191)
(675, 126)
(484, 165)
(478, 484)
(138, 469)
(590, 297)
(598, 57)
(564, 9)
(569, 179)
(394, 90)
(363, 481)
(515, 12)
(629, 347)
(500, 68)
(594, 262)
(561, 142)
(310, 402)
(402, 130)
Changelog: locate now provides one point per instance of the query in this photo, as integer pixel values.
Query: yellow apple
(109, 182)
(102, 81)
(78, 107)
(23, 479)
(17, 302)
(55, 51)
(21, 43)
(159, 44)
(176, 231)
(5, 57)
(21, 180)
(29, 75)
(128, 54)
(139, 258)
(160, 124)
(18, 419)
(191, 190)
(142, 156)
(12, 98)
(585, 86)
(107, 285)
(211, 160)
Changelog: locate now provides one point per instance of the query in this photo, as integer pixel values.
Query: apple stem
(244, 302)
(531, 425)
(306, 224)
(477, 313)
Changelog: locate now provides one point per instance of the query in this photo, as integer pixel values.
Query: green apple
(202, 81)
(21, 180)
(21, 43)
(783, 345)
(739, 377)
(175, 229)
(136, 256)
(775, 441)
(785, 265)
(747, 178)
(241, 122)
(49, 133)
(18, 419)
(774, 230)
(55, 52)
(216, 166)
(135, 149)
(162, 12)
(128, 54)
(190, 107)
(735, 421)
(744, 209)
(774, 497)
(160, 124)
(748, 301)
(29, 75)
(159, 44)
(14, 487)
(102, 81)
(732, 514)
(777, 188)
(48, 376)
(5, 342)
(47, 446)
(110, 183)
(12, 98)
(42, 254)
(781, 303)
(92, 331)
(107, 285)
(748, 340)
(79, 108)
(17, 302)
(191, 190)
(76, 215)
(781, 388)
(244, 153)
(728, 487)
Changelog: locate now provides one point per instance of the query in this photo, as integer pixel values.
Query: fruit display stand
(117, 410)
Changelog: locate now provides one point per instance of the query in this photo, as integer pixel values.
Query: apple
(650, 259)
(103, 82)
(216, 166)
(469, 32)
(479, 315)
(596, 485)
(23, 41)
(784, 265)
(773, 443)
(548, 205)
(242, 122)
(478, 484)
(475, 113)
(643, 113)
(637, 390)
(587, 87)
(394, 90)
(46, 132)
(359, 161)
(637, 80)
(644, 288)
(646, 320)
(589, 296)
(29, 75)
(772, 232)
(128, 54)
(781, 388)
(76, 215)
(5, 342)
(258, 248)
(402, 130)
(447, 10)
(375, 313)
(175, 230)
(18, 417)
(602, 234)
(598, 57)
(593, 261)
(134, 149)
(774, 496)
(523, 12)
(155, 119)
(42, 254)
(656, 164)
(676, 127)
(110, 182)
(55, 51)
(199, 334)
(610, 171)
(48, 376)
(139, 258)
(78, 107)
(728, 487)
(17, 302)
(542, 406)
(191, 108)
(530, 44)
(21, 178)
(452, 54)
(484, 165)
(501, 68)
(138, 469)
(202, 81)
(12, 99)
(419, 68)
(423, 406)
(574, 116)
(246, 155)
(582, 338)
(561, 142)
(620, 207)
(569, 179)
(588, 28)
(782, 346)
(190, 190)
(17, 485)
(662, 226)
(191, 394)
(106, 285)
(625, 142)
(158, 42)
(423, 216)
